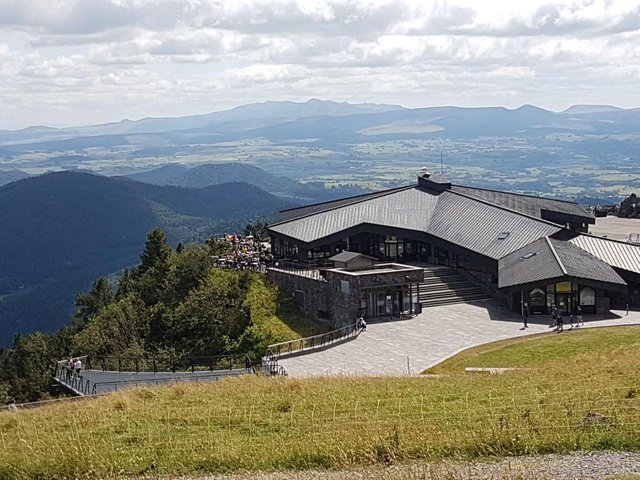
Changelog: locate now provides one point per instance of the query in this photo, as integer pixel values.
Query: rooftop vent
(528, 255)
(503, 235)
(432, 181)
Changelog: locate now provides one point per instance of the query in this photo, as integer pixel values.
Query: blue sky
(72, 62)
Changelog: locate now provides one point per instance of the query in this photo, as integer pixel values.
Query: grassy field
(585, 399)
(544, 351)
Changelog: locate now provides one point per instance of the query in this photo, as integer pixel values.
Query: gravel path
(561, 467)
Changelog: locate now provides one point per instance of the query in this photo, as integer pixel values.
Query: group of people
(74, 366)
(248, 253)
(557, 319)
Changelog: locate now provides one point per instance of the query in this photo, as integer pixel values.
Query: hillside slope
(61, 230)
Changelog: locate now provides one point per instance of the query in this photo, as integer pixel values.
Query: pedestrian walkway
(407, 347)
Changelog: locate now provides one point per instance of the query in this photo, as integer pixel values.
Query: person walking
(554, 317)
(525, 315)
(579, 316)
(560, 322)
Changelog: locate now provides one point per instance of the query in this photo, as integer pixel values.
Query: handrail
(315, 342)
(162, 363)
(271, 367)
(85, 386)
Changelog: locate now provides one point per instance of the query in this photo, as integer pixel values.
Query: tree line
(174, 303)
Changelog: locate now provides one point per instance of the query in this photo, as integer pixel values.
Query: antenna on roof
(441, 162)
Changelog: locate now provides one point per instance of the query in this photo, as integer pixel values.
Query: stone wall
(345, 301)
(315, 292)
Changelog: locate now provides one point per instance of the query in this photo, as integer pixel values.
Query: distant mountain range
(586, 150)
(325, 122)
(62, 230)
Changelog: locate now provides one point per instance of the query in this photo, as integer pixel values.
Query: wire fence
(134, 430)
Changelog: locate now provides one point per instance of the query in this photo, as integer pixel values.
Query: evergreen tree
(156, 252)
(89, 304)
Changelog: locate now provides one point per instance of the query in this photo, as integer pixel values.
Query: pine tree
(156, 252)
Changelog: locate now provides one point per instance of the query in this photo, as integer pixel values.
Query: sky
(78, 62)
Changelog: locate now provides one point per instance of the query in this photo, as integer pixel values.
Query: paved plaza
(407, 347)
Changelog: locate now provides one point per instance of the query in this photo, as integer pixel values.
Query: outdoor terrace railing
(299, 269)
(163, 364)
(308, 344)
(82, 384)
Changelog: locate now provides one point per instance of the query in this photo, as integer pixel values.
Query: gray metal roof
(552, 259)
(625, 256)
(292, 213)
(524, 203)
(408, 209)
(471, 223)
(477, 225)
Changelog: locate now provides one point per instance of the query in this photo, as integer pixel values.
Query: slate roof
(625, 256)
(471, 223)
(292, 213)
(407, 208)
(477, 225)
(552, 259)
(524, 203)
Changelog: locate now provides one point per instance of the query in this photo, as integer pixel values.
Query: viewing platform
(111, 374)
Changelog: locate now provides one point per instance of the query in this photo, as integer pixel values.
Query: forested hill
(61, 230)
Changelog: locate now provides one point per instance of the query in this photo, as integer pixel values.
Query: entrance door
(564, 303)
(391, 251)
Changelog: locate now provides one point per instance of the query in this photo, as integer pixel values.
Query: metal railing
(271, 367)
(167, 363)
(308, 344)
(82, 385)
(298, 269)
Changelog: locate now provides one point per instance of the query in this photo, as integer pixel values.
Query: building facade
(534, 252)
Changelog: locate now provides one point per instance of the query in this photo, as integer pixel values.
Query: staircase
(446, 286)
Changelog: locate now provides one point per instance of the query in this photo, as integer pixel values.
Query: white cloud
(73, 61)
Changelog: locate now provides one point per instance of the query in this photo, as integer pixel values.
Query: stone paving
(407, 347)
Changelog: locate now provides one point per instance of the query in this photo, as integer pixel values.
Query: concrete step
(447, 286)
(454, 301)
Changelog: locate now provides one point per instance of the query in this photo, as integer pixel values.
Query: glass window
(537, 297)
(587, 296)
(563, 287)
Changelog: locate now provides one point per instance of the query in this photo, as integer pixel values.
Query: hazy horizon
(74, 62)
(127, 119)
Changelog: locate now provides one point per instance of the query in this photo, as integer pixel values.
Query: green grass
(276, 317)
(255, 423)
(539, 351)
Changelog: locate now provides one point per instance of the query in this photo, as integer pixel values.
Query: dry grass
(587, 402)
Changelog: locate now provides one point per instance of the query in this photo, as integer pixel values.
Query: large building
(529, 251)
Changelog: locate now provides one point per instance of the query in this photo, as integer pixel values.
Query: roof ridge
(502, 207)
(384, 193)
(519, 194)
(556, 256)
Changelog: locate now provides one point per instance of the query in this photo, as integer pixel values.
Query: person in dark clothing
(525, 315)
(560, 322)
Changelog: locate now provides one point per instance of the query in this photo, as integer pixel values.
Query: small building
(340, 295)
(348, 259)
